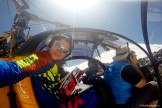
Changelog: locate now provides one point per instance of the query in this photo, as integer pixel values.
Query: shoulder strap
(12, 97)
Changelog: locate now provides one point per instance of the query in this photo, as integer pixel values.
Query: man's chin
(56, 58)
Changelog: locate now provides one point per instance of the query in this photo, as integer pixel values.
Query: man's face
(59, 49)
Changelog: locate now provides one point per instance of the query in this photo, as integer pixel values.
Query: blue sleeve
(10, 73)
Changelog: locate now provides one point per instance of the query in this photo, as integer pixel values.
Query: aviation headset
(51, 38)
(130, 56)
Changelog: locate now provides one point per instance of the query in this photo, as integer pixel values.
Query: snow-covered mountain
(106, 56)
(140, 53)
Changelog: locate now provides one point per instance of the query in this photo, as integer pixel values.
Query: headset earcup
(49, 39)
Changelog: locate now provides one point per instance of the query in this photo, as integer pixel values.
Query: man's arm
(10, 73)
(130, 74)
(133, 60)
(142, 82)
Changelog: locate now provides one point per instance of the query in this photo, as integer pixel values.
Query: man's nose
(60, 50)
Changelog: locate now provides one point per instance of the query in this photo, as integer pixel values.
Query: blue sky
(119, 16)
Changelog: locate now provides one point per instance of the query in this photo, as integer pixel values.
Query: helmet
(51, 38)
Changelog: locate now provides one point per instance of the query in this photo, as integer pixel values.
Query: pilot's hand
(133, 60)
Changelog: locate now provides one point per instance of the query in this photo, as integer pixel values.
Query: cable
(42, 11)
(57, 24)
(38, 24)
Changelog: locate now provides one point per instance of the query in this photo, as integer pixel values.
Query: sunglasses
(58, 45)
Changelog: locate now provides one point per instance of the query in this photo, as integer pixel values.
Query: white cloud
(154, 14)
(154, 17)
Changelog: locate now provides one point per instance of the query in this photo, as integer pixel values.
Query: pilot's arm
(130, 74)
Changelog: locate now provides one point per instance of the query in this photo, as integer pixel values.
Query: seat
(25, 95)
(102, 91)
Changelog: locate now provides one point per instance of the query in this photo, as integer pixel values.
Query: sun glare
(78, 5)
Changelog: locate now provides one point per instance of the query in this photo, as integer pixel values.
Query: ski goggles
(58, 45)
